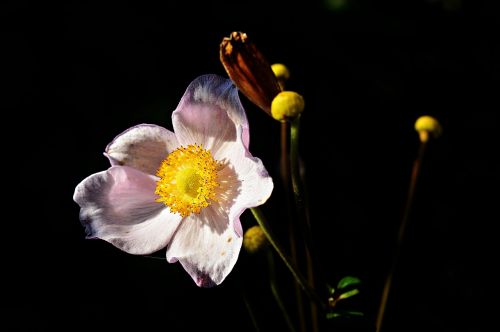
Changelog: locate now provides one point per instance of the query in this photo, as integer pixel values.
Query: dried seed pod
(249, 70)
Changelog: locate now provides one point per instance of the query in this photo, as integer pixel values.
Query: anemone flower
(183, 190)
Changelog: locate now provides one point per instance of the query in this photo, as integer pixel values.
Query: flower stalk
(427, 127)
(274, 290)
(401, 233)
(292, 231)
(261, 220)
(301, 209)
(251, 314)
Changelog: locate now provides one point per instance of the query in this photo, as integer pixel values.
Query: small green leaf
(348, 281)
(331, 290)
(348, 294)
(345, 314)
(332, 315)
(354, 313)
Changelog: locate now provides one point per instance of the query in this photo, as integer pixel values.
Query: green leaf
(344, 314)
(332, 315)
(331, 290)
(348, 281)
(348, 294)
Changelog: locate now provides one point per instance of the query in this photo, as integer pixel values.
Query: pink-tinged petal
(118, 206)
(208, 114)
(207, 246)
(255, 185)
(142, 147)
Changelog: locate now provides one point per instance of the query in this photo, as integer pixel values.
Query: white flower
(184, 190)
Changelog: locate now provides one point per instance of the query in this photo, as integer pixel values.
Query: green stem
(402, 227)
(250, 313)
(285, 178)
(301, 209)
(261, 220)
(274, 290)
(297, 183)
(284, 163)
(294, 161)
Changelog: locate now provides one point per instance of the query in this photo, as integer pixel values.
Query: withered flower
(249, 70)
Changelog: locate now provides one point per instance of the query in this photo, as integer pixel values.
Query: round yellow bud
(287, 105)
(254, 239)
(426, 125)
(280, 71)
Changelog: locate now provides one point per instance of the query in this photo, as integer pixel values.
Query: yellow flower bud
(426, 125)
(287, 105)
(281, 71)
(282, 74)
(254, 239)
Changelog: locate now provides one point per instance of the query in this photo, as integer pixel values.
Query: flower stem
(294, 161)
(274, 290)
(284, 163)
(301, 210)
(402, 227)
(285, 178)
(261, 220)
(250, 313)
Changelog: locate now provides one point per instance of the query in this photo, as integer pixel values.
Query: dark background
(78, 73)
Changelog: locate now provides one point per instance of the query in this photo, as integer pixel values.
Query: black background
(78, 73)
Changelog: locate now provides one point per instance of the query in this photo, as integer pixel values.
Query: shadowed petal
(142, 147)
(208, 114)
(206, 245)
(254, 183)
(118, 205)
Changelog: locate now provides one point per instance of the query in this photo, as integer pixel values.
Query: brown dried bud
(249, 70)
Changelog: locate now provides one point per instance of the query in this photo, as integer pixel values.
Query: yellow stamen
(188, 179)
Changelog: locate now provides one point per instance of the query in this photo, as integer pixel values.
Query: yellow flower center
(188, 179)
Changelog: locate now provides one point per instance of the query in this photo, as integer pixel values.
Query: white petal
(208, 114)
(142, 147)
(254, 183)
(118, 205)
(206, 245)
